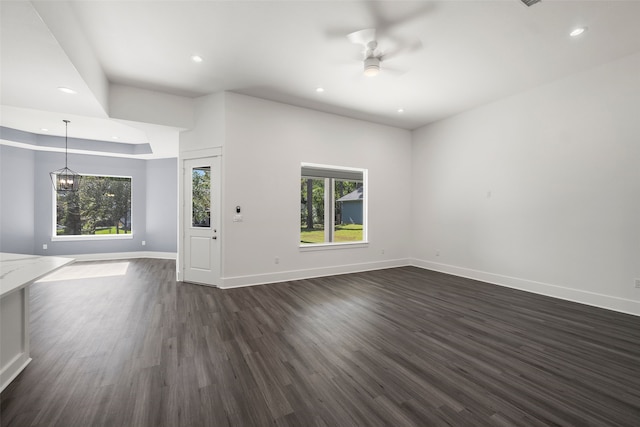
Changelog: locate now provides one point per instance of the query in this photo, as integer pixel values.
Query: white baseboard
(570, 294)
(122, 255)
(13, 369)
(284, 276)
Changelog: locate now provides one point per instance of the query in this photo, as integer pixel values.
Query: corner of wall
(609, 302)
(146, 106)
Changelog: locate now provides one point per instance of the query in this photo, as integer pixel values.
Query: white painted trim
(570, 294)
(80, 237)
(90, 237)
(77, 151)
(123, 255)
(284, 276)
(310, 247)
(13, 369)
(200, 153)
(333, 167)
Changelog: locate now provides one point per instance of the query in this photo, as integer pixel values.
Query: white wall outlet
(438, 253)
(382, 251)
(144, 243)
(277, 260)
(237, 218)
(44, 246)
(638, 283)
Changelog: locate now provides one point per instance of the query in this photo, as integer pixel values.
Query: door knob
(215, 237)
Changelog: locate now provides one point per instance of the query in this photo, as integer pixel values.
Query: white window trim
(310, 247)
(364, 243)
(67, 238)
(84, 237)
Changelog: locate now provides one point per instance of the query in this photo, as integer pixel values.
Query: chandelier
(65, 179)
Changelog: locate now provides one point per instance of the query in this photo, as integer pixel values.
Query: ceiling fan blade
(348, 62)
(379, 13)
(363, 36)
(392, 71)
(406, 48)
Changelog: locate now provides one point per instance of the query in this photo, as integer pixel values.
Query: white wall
(146, 106)
(60, 19)
(264, 146)
(209, 124)
(561, 164)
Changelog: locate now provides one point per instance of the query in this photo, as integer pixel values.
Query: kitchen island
(17, 272)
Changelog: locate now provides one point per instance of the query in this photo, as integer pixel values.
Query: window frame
(86, 237)
(330, 217)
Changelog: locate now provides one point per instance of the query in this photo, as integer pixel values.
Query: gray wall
(162, 205)
(27, 202)
(16, 200)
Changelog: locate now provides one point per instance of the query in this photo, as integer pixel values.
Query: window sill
(332, 246)
(91, 237)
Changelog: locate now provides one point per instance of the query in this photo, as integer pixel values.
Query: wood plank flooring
(121, 343)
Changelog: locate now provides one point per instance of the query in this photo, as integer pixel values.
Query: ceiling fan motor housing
(371, 66)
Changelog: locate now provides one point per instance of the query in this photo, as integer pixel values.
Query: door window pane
(201, 196)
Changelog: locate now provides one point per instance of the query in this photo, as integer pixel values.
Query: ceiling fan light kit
(371, 66)
(373, 56)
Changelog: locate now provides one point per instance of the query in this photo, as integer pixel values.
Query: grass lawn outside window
(343, 233)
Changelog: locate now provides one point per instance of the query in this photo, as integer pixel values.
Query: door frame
(217, 199)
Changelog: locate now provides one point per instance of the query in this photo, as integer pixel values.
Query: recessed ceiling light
(578, 31)
(66, 90)
(319, 89)
(400, 110)
(196, 58)
(44, 129)
(114, 137)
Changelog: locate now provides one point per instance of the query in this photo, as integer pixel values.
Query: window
(201, 196)
(101, 208)
(333, 206)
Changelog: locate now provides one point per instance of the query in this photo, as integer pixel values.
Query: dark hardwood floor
(397, 347)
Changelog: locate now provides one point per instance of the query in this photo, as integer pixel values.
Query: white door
(201, 216)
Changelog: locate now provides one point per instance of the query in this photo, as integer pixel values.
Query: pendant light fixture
(65, 179)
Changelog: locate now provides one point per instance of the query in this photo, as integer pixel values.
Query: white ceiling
(473, 52)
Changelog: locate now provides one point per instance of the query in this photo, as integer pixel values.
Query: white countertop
(18, 270)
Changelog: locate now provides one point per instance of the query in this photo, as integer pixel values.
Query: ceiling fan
(372, 55)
